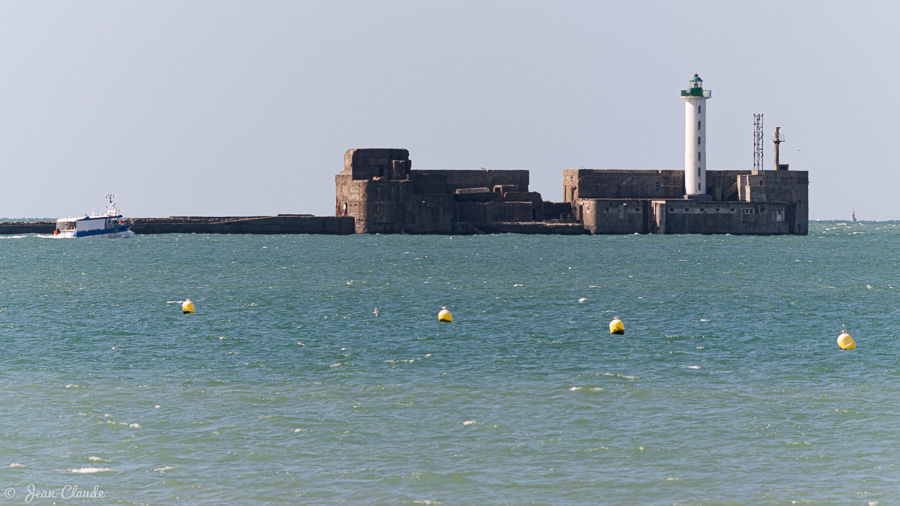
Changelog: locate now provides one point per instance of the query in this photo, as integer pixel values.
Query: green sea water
(286, 387)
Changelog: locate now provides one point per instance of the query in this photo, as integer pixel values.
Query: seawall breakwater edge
(286, 224)
(275, 225)
(378, 192)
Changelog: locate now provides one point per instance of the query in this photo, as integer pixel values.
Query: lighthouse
(695, 98)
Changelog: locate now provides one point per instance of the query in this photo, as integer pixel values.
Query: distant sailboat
(853, 214)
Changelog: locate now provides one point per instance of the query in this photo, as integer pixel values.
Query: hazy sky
(246, 107)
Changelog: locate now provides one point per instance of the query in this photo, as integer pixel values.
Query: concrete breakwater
(284, 224)
(530, 228)
(287, 224)
(27, 227)
(280, 224)
(378, 192)
(379, 188)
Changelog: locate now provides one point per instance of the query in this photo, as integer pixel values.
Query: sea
(315, 370)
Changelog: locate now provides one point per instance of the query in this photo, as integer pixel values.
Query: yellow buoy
(846, 342)
(444, 315)
(187, 306)
(616, 326)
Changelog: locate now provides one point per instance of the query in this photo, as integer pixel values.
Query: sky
(238, 108)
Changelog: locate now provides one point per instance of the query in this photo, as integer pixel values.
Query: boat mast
(111, 208)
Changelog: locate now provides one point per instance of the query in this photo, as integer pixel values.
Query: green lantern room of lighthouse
(696, 88)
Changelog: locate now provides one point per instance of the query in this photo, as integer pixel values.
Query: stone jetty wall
(27, 227)
(281, 224)
(378, 192)
(277, 225)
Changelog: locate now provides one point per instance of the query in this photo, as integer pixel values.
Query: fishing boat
(110, 224)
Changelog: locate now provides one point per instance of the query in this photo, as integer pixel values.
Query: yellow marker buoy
(846, 342)
(187, 306)
(444, 315)
(616, 326)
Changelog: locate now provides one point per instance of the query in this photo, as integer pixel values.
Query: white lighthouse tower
(695, 137)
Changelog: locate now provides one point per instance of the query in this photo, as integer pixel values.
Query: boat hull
(115, 232)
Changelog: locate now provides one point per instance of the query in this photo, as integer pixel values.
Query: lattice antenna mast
(757, 142)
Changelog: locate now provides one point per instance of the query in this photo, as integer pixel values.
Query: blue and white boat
(110, 224)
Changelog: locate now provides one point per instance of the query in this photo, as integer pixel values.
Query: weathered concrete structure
(279, 225)
(27, 227)
(379, 189)
(282, 224)
(693, 200)
(764, 202)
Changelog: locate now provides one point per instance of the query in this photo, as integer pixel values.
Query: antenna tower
(757, 142)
